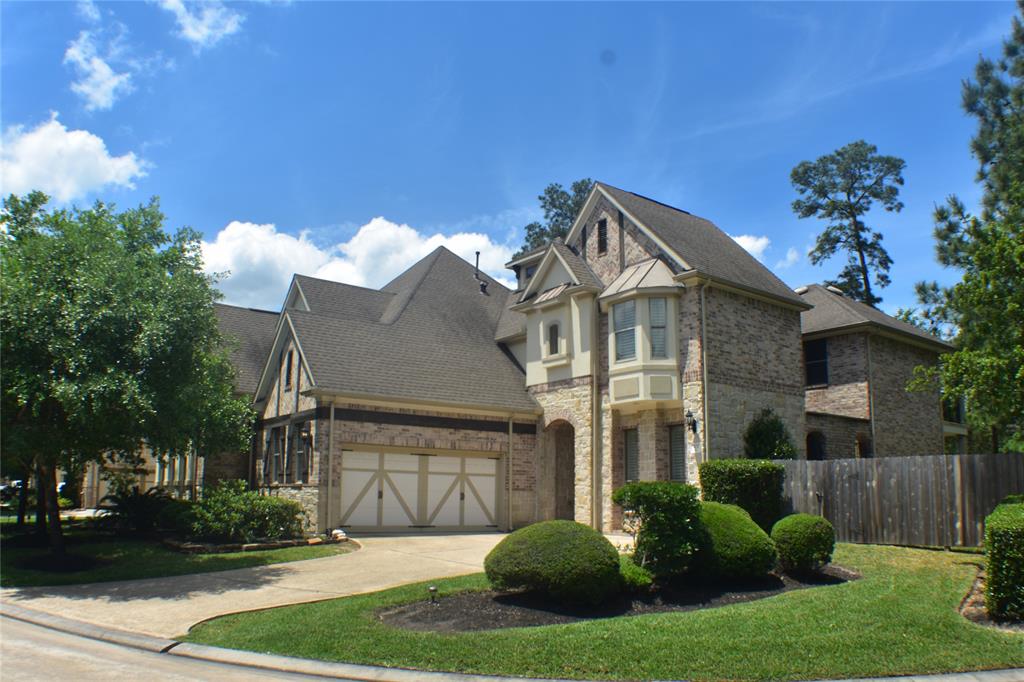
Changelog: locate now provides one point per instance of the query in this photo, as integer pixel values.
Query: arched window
(553, 339)
(815, 445)
(865, 448)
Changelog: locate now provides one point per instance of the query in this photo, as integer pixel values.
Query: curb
(82, 629)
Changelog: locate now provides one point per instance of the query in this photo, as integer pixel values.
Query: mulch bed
(973, 608)
(489, 610)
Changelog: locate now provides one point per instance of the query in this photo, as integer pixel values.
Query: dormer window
(530, 271)
(624, 321)
(602, 236)
(554, 339)
(659, 320)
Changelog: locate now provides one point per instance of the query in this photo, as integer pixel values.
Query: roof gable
(560, 265)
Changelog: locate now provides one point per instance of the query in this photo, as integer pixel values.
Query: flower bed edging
(205, 548)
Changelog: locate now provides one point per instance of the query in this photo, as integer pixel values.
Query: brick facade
(846, 394)
(841, 434)
(906, 422)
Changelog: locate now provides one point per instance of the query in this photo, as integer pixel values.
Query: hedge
(753, 484)
(738, 548)
(1004, 545)
(670, 531)
(804, 542)
(568, 561)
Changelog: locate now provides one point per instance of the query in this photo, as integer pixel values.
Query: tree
(986, 307)
(560, 210)
(841, 188)
(109, 340)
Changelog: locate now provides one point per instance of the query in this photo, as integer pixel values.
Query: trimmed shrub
(1004, 547)
(177, 516)
(635, 578)
(1013, 499)
(229, 513)
(804, 542)
(737, 547)
(568, 561)
(767, 437)
(753, 484)
(670, 533)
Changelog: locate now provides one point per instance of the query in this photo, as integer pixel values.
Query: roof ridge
(245, 307)
(653, 201)
(344, 284)
(400, 298)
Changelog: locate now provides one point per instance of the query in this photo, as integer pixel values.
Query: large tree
(560, 207)
(109, 341)
(841, 188)
(986, 307)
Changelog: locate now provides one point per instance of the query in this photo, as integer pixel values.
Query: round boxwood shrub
(571, 562)
(670, 532)
(635, 579)
(737, 547)
(804, 542)
(753, 484)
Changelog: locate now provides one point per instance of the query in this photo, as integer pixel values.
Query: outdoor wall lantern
(691, 421)
(305, 433)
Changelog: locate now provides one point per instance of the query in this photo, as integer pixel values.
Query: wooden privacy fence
(936, 500)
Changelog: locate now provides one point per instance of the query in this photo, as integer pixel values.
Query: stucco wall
(847, 390)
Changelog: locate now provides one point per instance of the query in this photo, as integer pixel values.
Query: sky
(348, 140)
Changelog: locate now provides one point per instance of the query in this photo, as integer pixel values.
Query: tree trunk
(23, 501)
(40, 503)
(53, 529)
(865, 276)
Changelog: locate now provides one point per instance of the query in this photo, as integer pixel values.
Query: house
(857, 364)
(639, 346)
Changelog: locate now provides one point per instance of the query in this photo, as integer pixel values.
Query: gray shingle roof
(438, 345)
(704, 246)
(834, 312)
(579, 268)
(512, 323)
(344, 301)
(251, 333)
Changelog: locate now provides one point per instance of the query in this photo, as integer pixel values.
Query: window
(816, 362)
(815, 445)
(677, 452)
(659, 319)
(865, 448)
(624, 319)
(632, 452)
(530, 271)
(273, 470)
(602, 236)
(583, 242)
(288, 371)
(291, 463)
(553, 339)
(953, 410)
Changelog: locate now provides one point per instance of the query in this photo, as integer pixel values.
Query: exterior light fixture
(691, 421)
(433, 594)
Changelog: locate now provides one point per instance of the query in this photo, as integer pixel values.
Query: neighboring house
(638, 347)
(858, 362)
(249, 332)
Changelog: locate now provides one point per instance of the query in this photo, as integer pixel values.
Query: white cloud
(66, 164)
(261, 259)
(98, 84)
(754, 245)
(88, 10)
(203, 24)
(791, 259)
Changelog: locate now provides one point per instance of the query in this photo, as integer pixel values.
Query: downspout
(597, 441)
(871, 398)
(330, 460)
(704, 369)
(508, 499)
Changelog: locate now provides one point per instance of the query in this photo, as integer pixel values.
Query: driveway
(168, 607)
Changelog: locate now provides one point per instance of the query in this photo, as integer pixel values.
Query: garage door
(398, 491)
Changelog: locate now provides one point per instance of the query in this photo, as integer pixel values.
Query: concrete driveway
(168, 607)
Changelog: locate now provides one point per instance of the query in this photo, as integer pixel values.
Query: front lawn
(901, 618)
(117, 557)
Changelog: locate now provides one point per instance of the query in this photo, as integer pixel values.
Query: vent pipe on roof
(476, 268)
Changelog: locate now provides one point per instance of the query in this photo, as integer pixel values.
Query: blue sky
(348, 140)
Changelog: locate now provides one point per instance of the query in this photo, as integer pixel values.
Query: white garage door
(398, 491)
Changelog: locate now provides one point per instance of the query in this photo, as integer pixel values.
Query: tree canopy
(841, 188)
(560, 207)
(109, 340)
(986, 307)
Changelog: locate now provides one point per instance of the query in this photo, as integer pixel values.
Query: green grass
(120, 558)
(900, 618)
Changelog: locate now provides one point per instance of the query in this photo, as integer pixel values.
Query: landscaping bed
(489, 610)
(212, 548)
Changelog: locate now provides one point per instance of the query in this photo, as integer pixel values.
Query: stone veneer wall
(568, 401)
(840, 433)
(754, 361)
(847, 390)
(906, 422)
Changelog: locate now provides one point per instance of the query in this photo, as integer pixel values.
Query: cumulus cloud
(203, 24)
(98, 84)
(261, 259)
(791, 259)
(754, 245)
(66, 164)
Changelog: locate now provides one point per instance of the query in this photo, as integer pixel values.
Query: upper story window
(288, 370)
(816, 362)
(553, 339)
(602, 236)
(953, 410)
(624, 321)
(659, 319)
(530, 271)
(632, 454)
